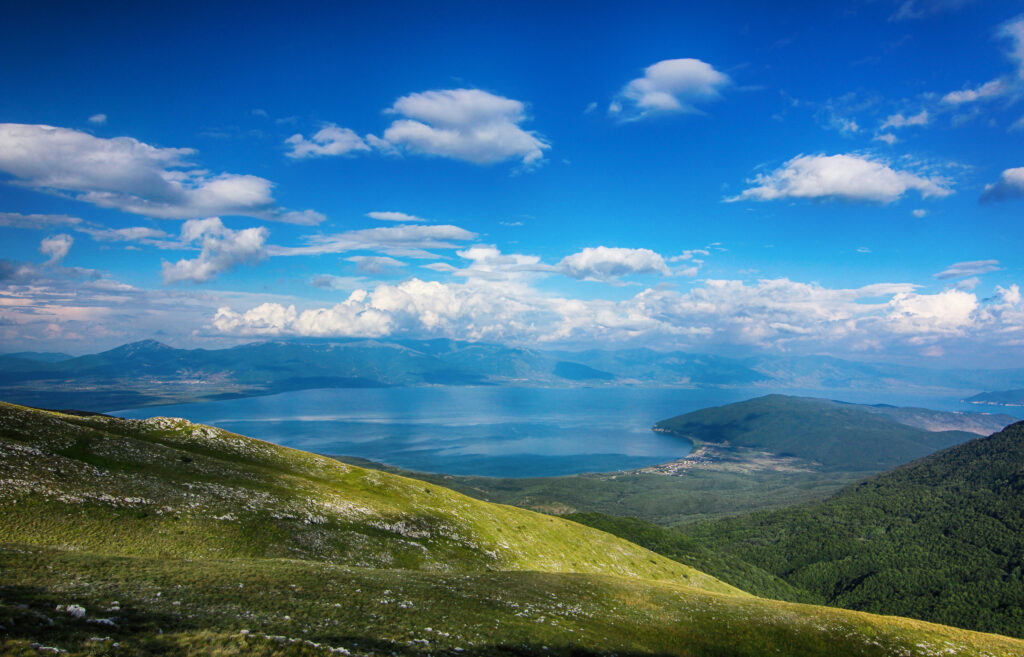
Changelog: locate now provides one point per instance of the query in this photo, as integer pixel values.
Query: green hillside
(678, 546)
(166, 487)
(835, 435)
(940, 539)
(161, 537)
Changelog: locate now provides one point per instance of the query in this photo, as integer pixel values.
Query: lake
(490, 431)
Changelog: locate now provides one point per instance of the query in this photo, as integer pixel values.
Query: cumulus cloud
(900, 121)
(394, 216)
(221, 249)
(777, 314)
(329, 140)
(669, 86)
(604, 263)
(132, 176)
(489, 263)
(948, 312)
(56, 247)
(464, 124)
(36, 221)
(846, 177)
(406, 240)
(1010, 185)
(414, 307)
(968, 268)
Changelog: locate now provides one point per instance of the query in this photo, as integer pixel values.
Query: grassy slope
(940, 539)
(168, 487)
(201, 607)
(680, 547)
(176, 537)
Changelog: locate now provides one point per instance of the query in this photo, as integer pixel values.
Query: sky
(734, 178)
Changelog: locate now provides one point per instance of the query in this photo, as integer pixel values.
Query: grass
(284, 607)
(166, 487)
(160, 537)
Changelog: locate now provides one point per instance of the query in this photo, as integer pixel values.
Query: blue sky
(841, 178)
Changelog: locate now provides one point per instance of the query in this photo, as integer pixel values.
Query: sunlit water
(492, 431)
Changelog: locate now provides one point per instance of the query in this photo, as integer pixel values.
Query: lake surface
(491, 431)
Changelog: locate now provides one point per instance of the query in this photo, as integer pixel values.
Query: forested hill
(835, 435)
(940, 539)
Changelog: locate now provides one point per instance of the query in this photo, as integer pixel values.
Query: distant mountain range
(999, 398)
(149, 372)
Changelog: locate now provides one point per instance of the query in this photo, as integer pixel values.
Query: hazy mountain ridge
(149, 372)
(999, 398)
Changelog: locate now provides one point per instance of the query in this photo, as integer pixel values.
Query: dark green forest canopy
(940, 539)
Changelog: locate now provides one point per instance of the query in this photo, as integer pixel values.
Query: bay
(483, 430)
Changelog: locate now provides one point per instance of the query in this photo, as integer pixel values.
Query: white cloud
(405, 240)
(393, 216)
(489, 263)
(604, 263)
(1014, 31)
(987, 91)
(98, 119)
(776, 314)
(375, 264)
(132, 176)
(464, 124)
(900, 121)
(1010, 185)
(1002, 86)
(56, 247)
(413, 307)
(689, 255)
(949, 311)
(888, 138)
(442, 267)
(967, 284)
(863, 249)
(329, 140)
(222, 249)
(669, 86)
(919, 213)
(333, 282)
(968, 268)
(916, 9)
(845, 177)
(36, 221)
(132, 234)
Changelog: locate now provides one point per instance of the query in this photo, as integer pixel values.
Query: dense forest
(940, 539)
